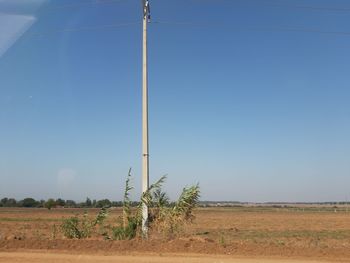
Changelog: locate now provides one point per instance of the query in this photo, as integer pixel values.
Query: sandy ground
(8, 257)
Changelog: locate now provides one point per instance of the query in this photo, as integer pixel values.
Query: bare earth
(218, 235)
(64, 258)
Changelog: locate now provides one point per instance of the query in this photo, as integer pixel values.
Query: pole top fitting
(146, 10)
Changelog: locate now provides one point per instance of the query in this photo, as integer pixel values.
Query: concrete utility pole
(145, 152)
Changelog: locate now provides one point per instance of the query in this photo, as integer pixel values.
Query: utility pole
(145, 144)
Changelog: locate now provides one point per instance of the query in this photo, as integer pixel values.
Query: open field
(170, 258)
(253, 232)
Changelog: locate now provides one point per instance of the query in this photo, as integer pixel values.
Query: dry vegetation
(250, 231)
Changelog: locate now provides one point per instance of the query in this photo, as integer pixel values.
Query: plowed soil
(217, 235)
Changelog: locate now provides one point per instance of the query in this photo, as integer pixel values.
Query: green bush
(29, 202)
(163, 216)
(125, 232)
(50, 204)
(76, 227)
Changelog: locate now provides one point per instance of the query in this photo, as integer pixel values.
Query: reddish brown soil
(235, 232)
(34, 257)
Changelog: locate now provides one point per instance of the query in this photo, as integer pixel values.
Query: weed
(39, 235)
(280, 242)
(125, 232)
(74, 227)
(163, 217)
(54, 232)
(222, 241)
(202, 233)
(23, 219)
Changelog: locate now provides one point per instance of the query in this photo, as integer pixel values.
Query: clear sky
(248, 98)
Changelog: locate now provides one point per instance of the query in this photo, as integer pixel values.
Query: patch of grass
(274, 209)
(163, 216)
(202, 233)
(54, 232)
(83, 227)
(14, 219)
(280, 242)
(125, 232)
(278, 235)
(222, 241)
(74, 227)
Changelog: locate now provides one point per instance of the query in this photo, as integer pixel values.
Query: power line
(286, 5)
(81, 4)
(260, 2)
(196, 25)
(83, 28)
(258, 29)
(314, 8)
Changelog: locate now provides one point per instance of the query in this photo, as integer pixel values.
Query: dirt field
(64, 258)
(218, 235)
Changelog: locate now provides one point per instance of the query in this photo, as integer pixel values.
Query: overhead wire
(266, 28)
(259, 2)
(83, 28)
(81, 4)
(306, 7)
(286, 5)
(258, 29)
(200, 25)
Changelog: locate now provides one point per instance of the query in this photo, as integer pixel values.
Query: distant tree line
(56, 203)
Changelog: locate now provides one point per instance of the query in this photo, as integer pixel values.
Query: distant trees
(88, 202)
(29, 202)
(103, 203)
(8, 202)
(50, 203)
(70, 203)
(59, 202)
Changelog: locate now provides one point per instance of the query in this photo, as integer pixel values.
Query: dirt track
(9, 257)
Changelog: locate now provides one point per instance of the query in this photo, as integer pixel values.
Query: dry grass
(223, 230)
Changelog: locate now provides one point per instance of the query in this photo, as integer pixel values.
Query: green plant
(128, 223)
(222, 241)
(50, 204)
(127, 231)
(101, 216)
(163, 217)
(76, 227)
(126, 201)
(54, 232)
(172, 218)
(188, 200)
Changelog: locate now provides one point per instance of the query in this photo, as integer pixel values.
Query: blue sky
(239, 101)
